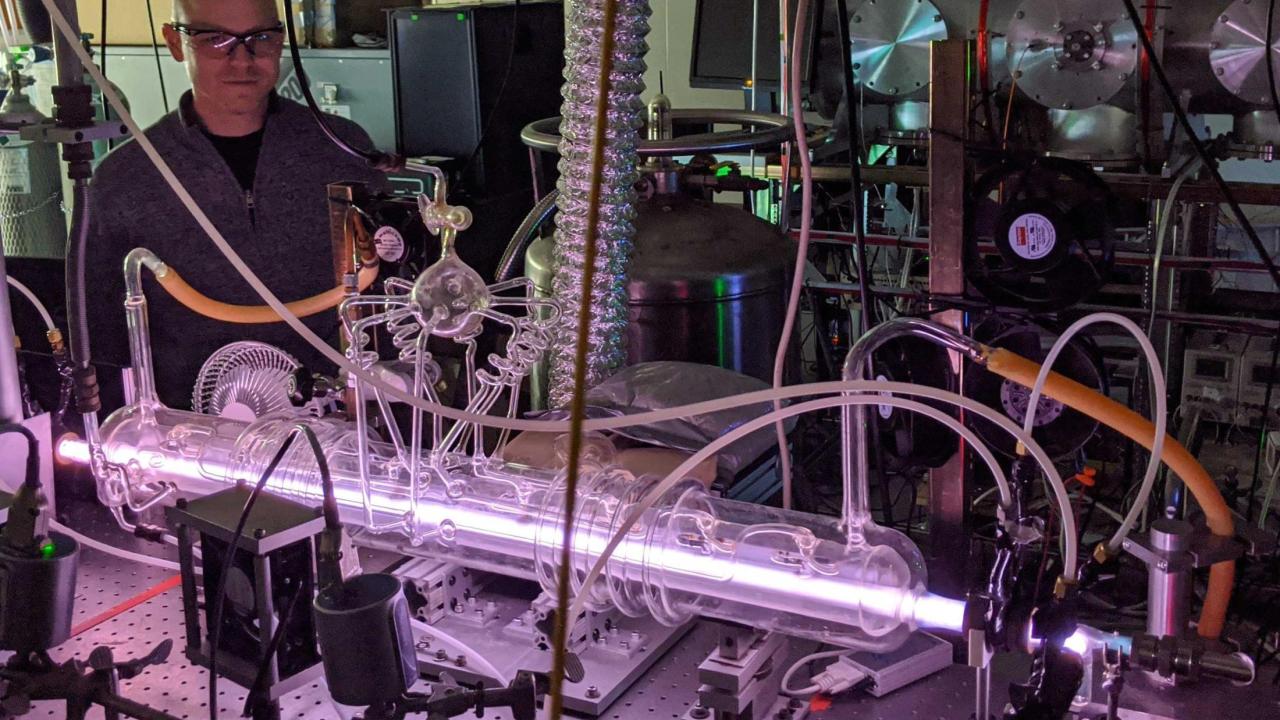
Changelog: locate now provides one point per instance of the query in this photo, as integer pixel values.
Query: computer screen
(722, 44)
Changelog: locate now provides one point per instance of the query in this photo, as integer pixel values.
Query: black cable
(502, 90)
(376, 158)
(256, 693)
(77, 302)
(1270, 58)
(330, 503)
(102, 42)
(32, 476)
(855, 167)
(220, 596)
(155, 48)
(1172, 96)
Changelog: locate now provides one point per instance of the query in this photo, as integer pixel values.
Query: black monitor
(722, 44)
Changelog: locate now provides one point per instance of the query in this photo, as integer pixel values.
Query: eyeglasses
(220, 43)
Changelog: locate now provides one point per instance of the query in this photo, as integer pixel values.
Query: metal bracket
(741, 677)
(1205, 549)
(48, 132)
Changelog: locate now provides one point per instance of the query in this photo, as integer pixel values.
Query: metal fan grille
(217, 370)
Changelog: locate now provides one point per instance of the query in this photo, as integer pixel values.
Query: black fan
(1060, 430)
(910, 440)
(1040, 234)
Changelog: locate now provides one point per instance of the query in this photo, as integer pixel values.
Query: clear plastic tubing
(690, 554)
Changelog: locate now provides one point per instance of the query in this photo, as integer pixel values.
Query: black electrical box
(452, 86)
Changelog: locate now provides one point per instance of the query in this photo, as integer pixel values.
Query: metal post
(1169, 579)
(948, 110)
(67, 63)
(10, 395)
(982, 692)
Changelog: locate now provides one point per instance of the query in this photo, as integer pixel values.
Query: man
(256, 163)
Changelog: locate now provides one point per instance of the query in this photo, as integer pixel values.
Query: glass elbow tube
(858, 524)
(691, 554)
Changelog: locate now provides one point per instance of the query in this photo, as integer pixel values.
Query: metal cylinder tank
(31, 219)
(707, 284)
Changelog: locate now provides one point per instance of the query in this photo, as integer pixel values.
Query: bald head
(231, 79)
(206, 11)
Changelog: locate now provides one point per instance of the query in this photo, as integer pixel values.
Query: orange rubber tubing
(198, 302)
(1137, 428)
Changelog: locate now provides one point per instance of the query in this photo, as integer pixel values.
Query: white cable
(1161, 418)
(1069, 539)
(473, 657)
(1162, 231)
(35, 301)
(785, 687)
(114, 551)
(802, 248)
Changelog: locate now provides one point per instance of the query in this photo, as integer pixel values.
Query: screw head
(1097, 65)
(1020, 14)
(260, 533)
(593, 692)
(442, 655)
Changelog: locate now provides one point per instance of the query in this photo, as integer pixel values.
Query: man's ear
(173, 40)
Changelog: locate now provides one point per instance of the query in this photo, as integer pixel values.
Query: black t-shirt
(241, 155)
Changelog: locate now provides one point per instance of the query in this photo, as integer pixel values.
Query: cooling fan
(1040, 234)
(1060, 430)
(247, 381)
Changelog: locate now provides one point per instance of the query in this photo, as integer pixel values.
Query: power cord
(102, 41)
(838, 677)
(502, 90)
(220, 596)
(31, 478)
(377, 159)
(155, 49)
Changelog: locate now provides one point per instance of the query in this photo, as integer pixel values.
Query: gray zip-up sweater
(280, 228)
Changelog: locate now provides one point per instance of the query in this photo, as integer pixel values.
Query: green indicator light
(461, 17)
(414, 17)
(47, 549)
(724, 171)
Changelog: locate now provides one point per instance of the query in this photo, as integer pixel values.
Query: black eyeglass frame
(239, 38)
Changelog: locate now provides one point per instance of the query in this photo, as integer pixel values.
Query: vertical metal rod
(982, 692)
(10, 396)
(784, 100)
(948, 118)
(67, 63)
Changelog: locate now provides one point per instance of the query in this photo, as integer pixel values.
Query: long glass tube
(691, 554)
